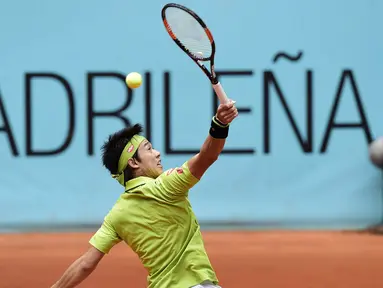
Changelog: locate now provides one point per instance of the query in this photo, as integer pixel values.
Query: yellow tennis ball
(133, 80)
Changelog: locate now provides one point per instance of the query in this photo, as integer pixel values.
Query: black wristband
(218, 130)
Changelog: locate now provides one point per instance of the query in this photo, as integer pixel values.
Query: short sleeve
(177, 181)
(105, 238)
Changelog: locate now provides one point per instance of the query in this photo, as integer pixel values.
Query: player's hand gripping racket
(191, 34)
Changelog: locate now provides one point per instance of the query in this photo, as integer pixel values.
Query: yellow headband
(128, 152)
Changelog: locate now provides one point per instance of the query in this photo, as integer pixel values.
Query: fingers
(229, 104)
(226, 107)
(230, 117)
(232, 114)
(227, 112)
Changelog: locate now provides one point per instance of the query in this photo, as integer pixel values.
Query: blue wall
(284, 187)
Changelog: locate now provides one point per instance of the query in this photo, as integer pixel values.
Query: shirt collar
(136, 182)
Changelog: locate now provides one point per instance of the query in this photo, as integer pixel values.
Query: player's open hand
(227, 112)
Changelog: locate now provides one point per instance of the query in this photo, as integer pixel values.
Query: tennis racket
(191, 34)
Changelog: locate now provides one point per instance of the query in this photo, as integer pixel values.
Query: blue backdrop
(52, 52)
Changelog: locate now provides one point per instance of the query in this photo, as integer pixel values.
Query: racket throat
(214, 79)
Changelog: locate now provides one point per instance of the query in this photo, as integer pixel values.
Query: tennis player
(153, 215)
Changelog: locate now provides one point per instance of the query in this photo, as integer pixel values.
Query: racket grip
(220, 93)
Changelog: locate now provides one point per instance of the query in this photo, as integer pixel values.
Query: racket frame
(199, 61)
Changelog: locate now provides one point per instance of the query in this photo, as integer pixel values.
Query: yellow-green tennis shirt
(155, 218)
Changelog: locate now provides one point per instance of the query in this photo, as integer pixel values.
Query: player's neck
(145, 173)
(140, 173)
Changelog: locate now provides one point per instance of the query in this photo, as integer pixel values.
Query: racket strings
(189, 32)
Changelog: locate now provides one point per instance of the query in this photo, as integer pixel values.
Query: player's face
(150, 160)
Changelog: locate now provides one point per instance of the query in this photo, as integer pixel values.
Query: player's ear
(133, 163)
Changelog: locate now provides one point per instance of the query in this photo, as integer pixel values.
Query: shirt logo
(179, 171)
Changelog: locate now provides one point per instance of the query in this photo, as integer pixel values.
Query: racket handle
(220, 93)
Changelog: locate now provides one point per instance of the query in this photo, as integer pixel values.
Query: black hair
(113, 147)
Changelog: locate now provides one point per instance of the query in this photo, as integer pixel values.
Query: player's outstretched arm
(215, 141)
(79, 270)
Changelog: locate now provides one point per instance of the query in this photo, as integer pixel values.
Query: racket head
(188, 31)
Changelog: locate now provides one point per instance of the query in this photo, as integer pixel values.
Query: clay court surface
(248, 259)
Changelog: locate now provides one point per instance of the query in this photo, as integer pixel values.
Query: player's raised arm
(215, 141)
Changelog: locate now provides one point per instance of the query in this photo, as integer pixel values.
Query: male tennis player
(153, 215)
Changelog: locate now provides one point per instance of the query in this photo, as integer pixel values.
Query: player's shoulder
(117, 212)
